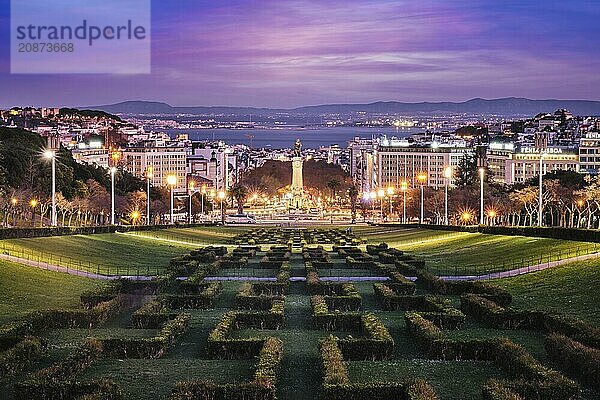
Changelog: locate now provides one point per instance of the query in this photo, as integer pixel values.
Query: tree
(333, 185)
(353, 195)
(466, 172)
(239, 193)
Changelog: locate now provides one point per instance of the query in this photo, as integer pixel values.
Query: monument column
(297, 181)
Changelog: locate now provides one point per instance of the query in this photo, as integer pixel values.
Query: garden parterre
(244, 337)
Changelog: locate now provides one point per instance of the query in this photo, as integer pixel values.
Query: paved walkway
(523, 270)
(493, 275)
(70, 271)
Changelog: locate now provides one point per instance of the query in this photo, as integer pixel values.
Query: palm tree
(239, 193)
(353, 195)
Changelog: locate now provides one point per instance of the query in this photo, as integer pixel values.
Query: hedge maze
(381, 327)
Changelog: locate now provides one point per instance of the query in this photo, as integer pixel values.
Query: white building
(396, 162)
(589, 153)
(163, 160)
(521, 164)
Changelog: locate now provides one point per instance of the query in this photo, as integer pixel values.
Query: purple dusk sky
(281, 53)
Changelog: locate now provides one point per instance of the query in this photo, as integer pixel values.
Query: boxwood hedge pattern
(571, 343)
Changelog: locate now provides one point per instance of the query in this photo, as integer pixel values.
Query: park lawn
(143, 379)
(195, 235)
(104, 253)
(458, 253)
(452, 380)
(24, 289)
(570, 289)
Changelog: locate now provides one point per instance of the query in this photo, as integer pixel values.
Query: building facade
(523, 163)
(397, 163)
(163, 160)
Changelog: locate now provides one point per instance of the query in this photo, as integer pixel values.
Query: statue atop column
(297, 187)
(298, 148)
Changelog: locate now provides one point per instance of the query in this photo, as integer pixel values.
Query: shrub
(151, 315)
(495, 390)
(22, 355)
(154, 347)
(59, 380)
(334, 368)
(582, 361)
(220, 346)
(37, 321)
(203, 300)
(262, 387)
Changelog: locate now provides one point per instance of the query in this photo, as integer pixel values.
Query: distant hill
(504, 106)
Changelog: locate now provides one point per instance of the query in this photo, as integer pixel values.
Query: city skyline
(297, 53)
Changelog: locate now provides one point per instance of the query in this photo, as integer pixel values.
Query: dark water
(285, 138)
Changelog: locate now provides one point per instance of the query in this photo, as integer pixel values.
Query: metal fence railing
(509, 267)
(58, 262)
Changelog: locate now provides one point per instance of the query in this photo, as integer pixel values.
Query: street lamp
(540, 203)
(448, 176)
(381, 195)
(404, 188)
(422, 178)
(481, 176)
(373, 196)
(212, 195)
(191, 192)
(203, 192)
(221, 198)
(390, 193)
(51, 155)
(149, 176)
(172, 181)
(113, 170)
(492, 215)
(135, 216)
(33, 203)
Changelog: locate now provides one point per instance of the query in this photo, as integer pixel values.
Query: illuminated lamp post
(51, 155)
(422, 178)
(404, 188)
(172, 181)
(448, 176)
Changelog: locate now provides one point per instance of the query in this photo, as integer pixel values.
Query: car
(240, 219)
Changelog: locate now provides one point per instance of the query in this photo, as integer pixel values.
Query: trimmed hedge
(37, 321)
(247, 299)
(151, 315)
(432, 308)
(21, 356)
(15, 233)
(221, 346)
(580, 360)
(337, 385)
(436, 284)
(59, 380)
(507, 318)
(376, 342)
(262, 387)
(155, 347)
(582, 235)
(494, 389)
(203, 300)
(532, 379)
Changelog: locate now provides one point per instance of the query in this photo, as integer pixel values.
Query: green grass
(443, 376)
(564, 289)
(570, 289)
(24, 289)
(195, 236)
(458, 253)
(143, 379)
(104, 253)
